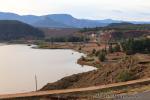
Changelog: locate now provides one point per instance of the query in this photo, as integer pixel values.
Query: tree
(117, 48)
(16, 30)
(83, 58)
(93, 51)
(102, 56)
(128, 46)
(132, 46)
(110, 49)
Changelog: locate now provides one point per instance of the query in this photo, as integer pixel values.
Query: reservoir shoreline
(28, 61)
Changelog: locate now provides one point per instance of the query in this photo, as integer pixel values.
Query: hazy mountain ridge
(54, 20)
(59, 20)
(48, 22)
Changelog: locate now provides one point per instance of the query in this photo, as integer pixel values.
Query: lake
(20, 63)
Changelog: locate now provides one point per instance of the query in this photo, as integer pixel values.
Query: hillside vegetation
(13, 30)
(120, 31)
(124, 26)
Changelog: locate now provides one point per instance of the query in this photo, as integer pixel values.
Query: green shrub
(102, 56)
(80, 49)
(98, 44)
(83, 58)
(117, 48)
(93, 51)
(125, 76)
(110, 49)
(97, 53)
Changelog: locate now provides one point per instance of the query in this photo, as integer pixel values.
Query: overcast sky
(92, 9)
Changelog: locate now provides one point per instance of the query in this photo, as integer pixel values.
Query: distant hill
(61, 21)
(12, 30)
(128, 26)
(49, 23)
(120, 24)
(120, 31)
(56, 20)
(74, 22)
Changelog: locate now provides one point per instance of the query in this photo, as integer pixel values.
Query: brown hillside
(59, 32)
(128, 68)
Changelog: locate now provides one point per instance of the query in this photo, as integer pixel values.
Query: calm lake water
(20, 63)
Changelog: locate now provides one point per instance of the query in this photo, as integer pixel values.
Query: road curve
(49, 92)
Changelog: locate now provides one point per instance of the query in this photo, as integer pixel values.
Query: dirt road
(44, 93)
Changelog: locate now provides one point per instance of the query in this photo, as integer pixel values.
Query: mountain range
(57, 20)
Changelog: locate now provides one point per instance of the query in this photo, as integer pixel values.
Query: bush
(97, 53)
(80, 49)
(93, 51)
(98, 44)
(117, 48)
(110, 49)
(102, 56)
(125, 76)
(83, 58)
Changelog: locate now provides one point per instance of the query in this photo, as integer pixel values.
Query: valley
(119, 52)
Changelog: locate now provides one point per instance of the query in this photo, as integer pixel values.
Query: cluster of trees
(114, 48)
(132, 46)
(90, 29)
(129, 46)
(66, 39)
(13, 30)
(128, 26)
(124, 26)
(101, 54)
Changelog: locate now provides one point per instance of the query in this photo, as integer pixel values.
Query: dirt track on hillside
(50, 92)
